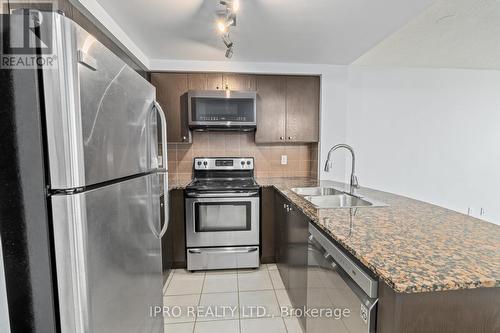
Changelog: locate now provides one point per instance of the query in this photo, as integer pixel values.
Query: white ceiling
(450, 33)
(288, 31)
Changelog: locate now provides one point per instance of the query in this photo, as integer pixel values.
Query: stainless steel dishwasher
(336, 282)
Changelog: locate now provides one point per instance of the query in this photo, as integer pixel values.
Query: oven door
(222, 221)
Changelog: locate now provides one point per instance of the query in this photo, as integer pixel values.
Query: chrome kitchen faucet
(329, 164)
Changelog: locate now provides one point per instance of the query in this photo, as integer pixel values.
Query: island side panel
(455, 311)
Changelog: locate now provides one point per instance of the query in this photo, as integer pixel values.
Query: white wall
(429, 134)
(101, 18)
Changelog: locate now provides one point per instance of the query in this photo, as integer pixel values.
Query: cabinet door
(281, 237)
(197, 81)
(271, 109)
(171, 93)
(302, 108)
(214, 81)
(205, 81)
(239, 82)
(178, 228)
(267, 226)
(297, 234)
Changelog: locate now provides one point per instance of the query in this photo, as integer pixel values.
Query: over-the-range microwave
(222, 110)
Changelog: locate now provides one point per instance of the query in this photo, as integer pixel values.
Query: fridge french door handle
(166, 218)
(163, 120)
(164, 165)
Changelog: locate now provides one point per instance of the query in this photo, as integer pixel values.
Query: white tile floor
(224, 300)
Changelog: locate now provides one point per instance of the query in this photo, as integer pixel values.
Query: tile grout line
(274, 290)
(238, 292)
(277, 300)
(199, 299)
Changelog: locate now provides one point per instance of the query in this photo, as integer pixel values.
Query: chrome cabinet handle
(289, 138)
(281, 138)
(184, 138)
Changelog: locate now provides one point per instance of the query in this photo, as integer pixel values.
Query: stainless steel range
(222, 214)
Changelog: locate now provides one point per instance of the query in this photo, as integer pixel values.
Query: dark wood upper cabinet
(214, 81)
(287, 106)
(171, 93)
(239, 82)
(287, 109)
(302, 108)
(205, 81)
(197, 81)
(271, 109)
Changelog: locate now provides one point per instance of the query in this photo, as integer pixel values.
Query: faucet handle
(354, 181)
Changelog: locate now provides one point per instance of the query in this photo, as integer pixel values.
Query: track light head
(229, 52)
(227, 41)
(233, 5)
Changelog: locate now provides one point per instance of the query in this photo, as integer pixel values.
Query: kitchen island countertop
(411, 245)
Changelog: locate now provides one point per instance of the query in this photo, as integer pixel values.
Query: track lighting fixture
(227, 19)
(227, 41)
(229, 52)
(224, 24)
(234, 5)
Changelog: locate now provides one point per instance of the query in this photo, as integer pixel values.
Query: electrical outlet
(482, 212)
(470, 211)
(284, 159)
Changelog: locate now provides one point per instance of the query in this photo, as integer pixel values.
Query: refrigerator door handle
(164, 165)
(166, 218)
(158, 109)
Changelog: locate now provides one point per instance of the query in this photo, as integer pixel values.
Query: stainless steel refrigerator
(83, 137)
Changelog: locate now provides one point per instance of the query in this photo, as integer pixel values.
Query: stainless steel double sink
(330, 197)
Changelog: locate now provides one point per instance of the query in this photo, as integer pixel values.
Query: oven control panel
(223, 163)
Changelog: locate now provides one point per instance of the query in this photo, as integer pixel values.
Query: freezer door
(101, 123)
(108, 260)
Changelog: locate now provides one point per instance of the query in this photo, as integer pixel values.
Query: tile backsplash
(302, 158)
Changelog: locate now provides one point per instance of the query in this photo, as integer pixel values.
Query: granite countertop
(412, 245)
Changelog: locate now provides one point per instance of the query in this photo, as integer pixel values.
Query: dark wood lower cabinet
(280, 237)
(292, 251)
(297, 233)
(267, 226)
(177, 228)
(456, 311)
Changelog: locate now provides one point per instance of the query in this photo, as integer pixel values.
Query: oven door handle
(223, 195)
(224, 250)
